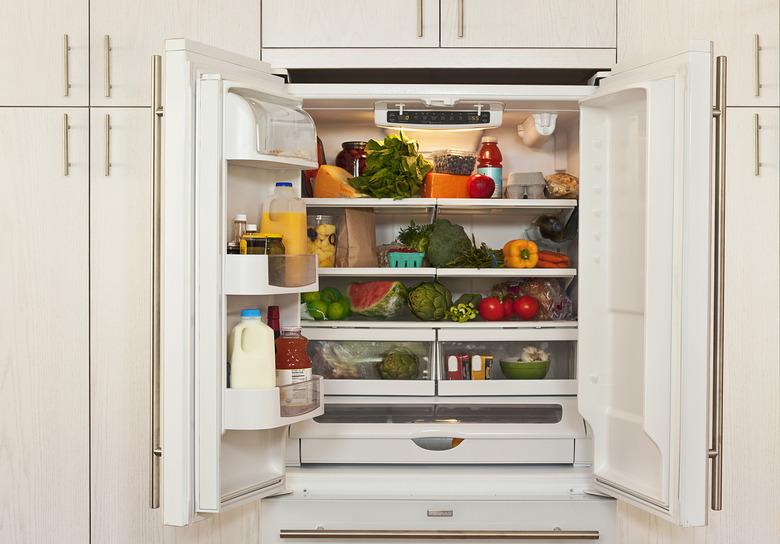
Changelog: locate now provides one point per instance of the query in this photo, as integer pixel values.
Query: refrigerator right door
(644, 284)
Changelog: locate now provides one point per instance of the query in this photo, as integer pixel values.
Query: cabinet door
(730, 24)
(350, 23)
(44, 326)
(644, 277)
(45, 53)
(530, 23)
(120, 65)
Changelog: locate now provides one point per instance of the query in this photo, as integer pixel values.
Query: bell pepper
(520, 254)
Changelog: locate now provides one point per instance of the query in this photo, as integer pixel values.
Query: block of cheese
(438, 185)
(331, 182)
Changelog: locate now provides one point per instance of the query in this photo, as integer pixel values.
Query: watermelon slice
(383, 299)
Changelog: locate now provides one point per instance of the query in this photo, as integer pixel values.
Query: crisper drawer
(457, 349)
(374, 361)
(560, 519)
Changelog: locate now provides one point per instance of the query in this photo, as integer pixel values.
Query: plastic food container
(400, 259)
(453, 161)
(321, 232)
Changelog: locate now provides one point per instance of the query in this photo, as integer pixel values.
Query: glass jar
(321, 231)
(262, 244)
(293, 366)
(352, 157)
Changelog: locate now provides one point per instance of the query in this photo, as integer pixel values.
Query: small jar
(262, 244)
(352, 157)
(321, 231)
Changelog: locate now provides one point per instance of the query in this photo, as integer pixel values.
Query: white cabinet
(530, 23)
(731, 25)
(124, 34)
(45, 56)
(350, 23)
(44, 323)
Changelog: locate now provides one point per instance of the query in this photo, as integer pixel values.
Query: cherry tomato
(490, 308)
(509, 307)
(526, 307)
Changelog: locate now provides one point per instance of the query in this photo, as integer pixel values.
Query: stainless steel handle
(66, 62)
(419, 18)
(756, 66)
(460, 18)
(65, 144)
(107, 146)
(718, 294)
(107, 65)
(437, 535)
(157, 111)
(756, 149)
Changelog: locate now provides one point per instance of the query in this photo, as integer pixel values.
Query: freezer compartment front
(454, 430)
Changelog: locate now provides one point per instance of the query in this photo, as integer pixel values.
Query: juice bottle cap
(284, 184)
(251, 313)
(489, 139)
(240, 217)
(251, 227)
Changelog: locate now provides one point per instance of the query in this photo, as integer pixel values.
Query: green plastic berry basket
(400, 259)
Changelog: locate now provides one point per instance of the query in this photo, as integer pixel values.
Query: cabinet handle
(460, 18)
(66, 62)
(368, 534)
(756, 66)
(107, 65)
(157, 110)
(107, 149)
(717, 251)
(756, 148)
(65, 145)
(419, 18)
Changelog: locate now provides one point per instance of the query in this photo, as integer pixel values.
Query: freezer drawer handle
(156, 452)
(419, 18)
(717, 251)
(392, 534)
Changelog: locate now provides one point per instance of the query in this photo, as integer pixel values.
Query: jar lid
(251, 227)
(353, 145)
(263, 236)
(324, 218)
(240, 217)
(489, 139)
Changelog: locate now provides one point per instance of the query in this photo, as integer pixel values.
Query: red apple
(480, 186)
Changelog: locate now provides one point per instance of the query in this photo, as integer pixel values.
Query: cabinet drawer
(585, 519)
(531, 23)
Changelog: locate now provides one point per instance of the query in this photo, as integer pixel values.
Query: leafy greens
(394, 168)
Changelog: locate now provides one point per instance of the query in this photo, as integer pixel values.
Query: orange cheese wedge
(437, 185)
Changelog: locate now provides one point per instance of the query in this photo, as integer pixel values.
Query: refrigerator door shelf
(258, 409)
(269, 274)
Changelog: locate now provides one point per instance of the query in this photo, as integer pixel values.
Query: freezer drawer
(565, 518)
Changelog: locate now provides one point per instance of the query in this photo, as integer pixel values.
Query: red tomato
(509, 307)
(526, 307)
(480, 186)
(490, 308)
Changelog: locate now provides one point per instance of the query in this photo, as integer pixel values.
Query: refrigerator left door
(215, 451)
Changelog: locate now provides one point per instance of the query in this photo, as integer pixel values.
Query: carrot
(546, 264)
(553, 257)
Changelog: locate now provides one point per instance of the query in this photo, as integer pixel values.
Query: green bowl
(518, 370)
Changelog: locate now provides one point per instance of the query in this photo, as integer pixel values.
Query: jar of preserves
(254, 243)
(352, 157)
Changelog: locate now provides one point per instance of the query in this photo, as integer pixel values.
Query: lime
(317, 309)
(314, 296)
(330, 294)
(338, 310)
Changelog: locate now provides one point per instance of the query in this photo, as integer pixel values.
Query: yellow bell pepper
(520, 254)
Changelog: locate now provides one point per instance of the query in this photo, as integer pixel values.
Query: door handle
(156, 449)
(460, 18)
(419, 18)
(107, 146)
(756, 149)
(66, 63)
(395, 534)
(717, 251)
(65, 144)
(756, 66)
(107, 65)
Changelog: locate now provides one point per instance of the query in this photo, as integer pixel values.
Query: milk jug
(251, 353)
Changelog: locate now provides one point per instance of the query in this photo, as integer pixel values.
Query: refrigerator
(623, 412)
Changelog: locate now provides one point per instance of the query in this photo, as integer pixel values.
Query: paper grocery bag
(356, 245)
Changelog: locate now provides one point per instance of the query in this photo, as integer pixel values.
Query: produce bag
(357, 239)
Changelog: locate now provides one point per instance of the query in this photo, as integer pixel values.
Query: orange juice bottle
(284, 213)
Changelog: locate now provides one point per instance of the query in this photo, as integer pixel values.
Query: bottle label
(293, 395)
(493, 172)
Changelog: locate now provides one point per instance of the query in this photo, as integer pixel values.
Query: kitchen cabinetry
(44, 422)
(531, 23)
(45, 56)
(731, 25)
(350, 23)
(124, 34)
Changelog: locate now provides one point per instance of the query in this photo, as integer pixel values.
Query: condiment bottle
(251, 353)
(292, 366)
(273, 320)
(477, 367)
(239, 227)
(489, 163)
